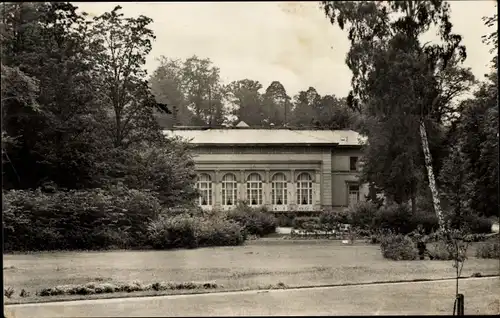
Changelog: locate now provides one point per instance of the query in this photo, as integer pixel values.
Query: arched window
(254, 189)
(304, 189)
(205, 188)
(229, 189)
(279, 191)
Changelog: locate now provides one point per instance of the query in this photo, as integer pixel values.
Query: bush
(254, 221)
(184, 230)
(84, 219)
(362, 215)
(398, 247)
(331, 220)
(217, 231)
(488, 250)
(479, 224)
(172, 232)
(285, 220)
(302, 221)
(439, 251)
(428, 221)
(396, 218)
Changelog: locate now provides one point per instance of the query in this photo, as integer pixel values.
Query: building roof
(242, 124)
(269, 137)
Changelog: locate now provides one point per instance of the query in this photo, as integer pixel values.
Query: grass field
(424, 298)
(256, 265)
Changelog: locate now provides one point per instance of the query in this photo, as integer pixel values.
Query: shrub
(285, 220)
(479, 224)
(184, 230)
(488, 250)
(84, 219)
(362, 215)
(398, 247)
(395, 217)
(300, 222)
(8, 292)
(173, 232)
(331, 220)
(217, 231)
(439, 251)
(254, 221)
(428, 221)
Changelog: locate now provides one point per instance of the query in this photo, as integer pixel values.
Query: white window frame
(229, 192)
(351, 190)
(254, 189)
(304, 189)
(279, 187)
(204, 185)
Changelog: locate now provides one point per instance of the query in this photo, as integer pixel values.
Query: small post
(460, 305)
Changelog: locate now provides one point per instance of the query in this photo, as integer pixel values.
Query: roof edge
(291, 144)
(201, 128)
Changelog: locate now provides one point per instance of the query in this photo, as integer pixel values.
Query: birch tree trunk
(430, 173)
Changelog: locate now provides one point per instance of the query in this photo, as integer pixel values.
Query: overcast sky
(291, 42)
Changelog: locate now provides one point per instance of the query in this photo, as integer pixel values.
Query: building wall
(329, 169)
(342, 176)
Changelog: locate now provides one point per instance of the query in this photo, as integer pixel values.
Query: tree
(54, 143)
(476, 134)
(456, 185)
(334, 113)
(246, 101)
(20, 91)
(120, 46)
(277, 104)
(166, 86)
(492, 38)
(383, 35)
(193, 89)
(203, 90)
(304, 109)
(65, 82)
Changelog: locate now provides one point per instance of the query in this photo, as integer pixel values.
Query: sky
(291, 42)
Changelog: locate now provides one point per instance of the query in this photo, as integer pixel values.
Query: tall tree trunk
(430, 173)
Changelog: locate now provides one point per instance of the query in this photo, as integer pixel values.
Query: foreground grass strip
(170, 289)
(108, 288)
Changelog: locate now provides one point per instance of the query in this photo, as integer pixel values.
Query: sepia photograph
(266, 158)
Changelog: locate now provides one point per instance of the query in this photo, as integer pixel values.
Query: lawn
(258, 264)
(427, 298)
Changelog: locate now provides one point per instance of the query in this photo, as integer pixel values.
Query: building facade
(284, 170)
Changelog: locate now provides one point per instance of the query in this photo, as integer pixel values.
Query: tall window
(205, 188)
(229, 188)
(254, 189)
(304, 189)
(353, 194)
(278, 192)
(353, 163)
